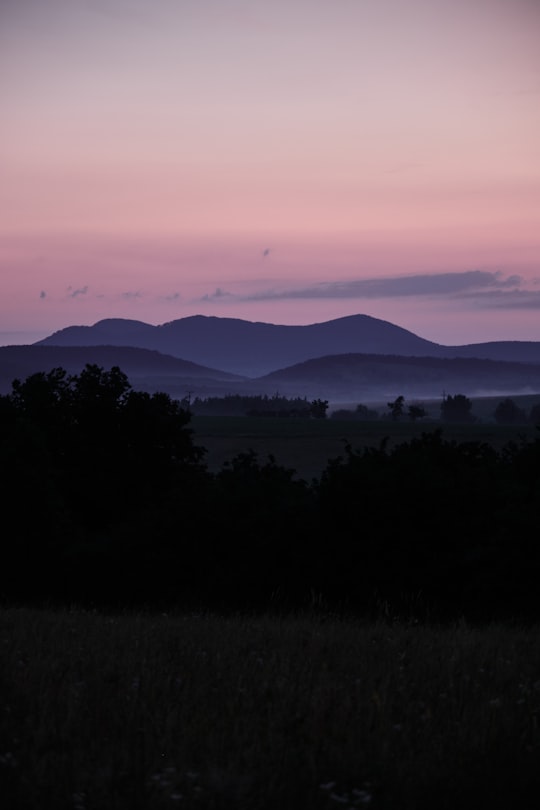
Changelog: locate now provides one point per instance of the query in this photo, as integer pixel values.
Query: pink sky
(289, 161)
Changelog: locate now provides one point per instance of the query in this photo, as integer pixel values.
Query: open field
(306, 444)
(152, 711)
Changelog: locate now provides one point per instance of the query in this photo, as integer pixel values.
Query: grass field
(308, 711)
(103, 712)
(305, 445)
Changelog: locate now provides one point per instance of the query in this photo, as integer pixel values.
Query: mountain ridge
(255, 348)
(353, 358)
(146, 369)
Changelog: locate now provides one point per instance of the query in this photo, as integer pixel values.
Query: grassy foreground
(304, 712)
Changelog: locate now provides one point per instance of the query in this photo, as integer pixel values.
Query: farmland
(307, 445)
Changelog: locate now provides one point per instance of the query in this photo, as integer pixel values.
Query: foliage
(508, 413)
(141, 711)
(80, 455)
(113, 505)
(534, 414)
(456, 409)
(259, 405)
(416, 411)
(318, 408)
(397, 407)
(361, 412)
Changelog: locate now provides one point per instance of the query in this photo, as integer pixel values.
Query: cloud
(43, 295)
(440, 284)
(511, 299)
(131, 295)
(79, 291)
(217, 295)
(173, 297)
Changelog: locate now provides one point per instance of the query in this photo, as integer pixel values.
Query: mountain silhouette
(356, 357)
(146, 369)
(254, 348)
(371, 377)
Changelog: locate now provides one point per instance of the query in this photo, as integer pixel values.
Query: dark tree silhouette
(107, 447)
(534, 414)
(110, 500)
(361, 412)
(397, 407)
(456, 409)
(364, 412)
(508, 413)
(318, 408)
(416, 411)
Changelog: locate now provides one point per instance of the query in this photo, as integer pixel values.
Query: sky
(285, 161)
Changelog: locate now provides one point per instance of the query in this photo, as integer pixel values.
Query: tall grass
(265, 713)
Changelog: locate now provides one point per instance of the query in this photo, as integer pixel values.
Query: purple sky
(288, 161)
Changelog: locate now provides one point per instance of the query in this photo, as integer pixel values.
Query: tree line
(257, 405)
(109, 502)
(453, 408)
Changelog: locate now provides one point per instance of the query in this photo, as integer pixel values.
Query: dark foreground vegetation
(244, 638)
(112, 505)
(106, 711)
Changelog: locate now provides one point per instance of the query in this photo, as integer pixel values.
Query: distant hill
(147, 370)
(515, 351)
(254, 349)
(245, 347)
(370, 377)
(339, 378)
(354, 358)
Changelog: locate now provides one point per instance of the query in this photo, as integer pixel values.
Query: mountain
(245, 347)
(254, 349)
(372, 377)
(339, 378)
(147, 370)
(517, 351)
(354, 358)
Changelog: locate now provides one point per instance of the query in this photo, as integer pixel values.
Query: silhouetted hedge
(111, 504)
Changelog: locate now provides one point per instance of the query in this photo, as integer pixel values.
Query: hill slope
(365, 377)
(245, 347)
(147, 370)
(254, 349)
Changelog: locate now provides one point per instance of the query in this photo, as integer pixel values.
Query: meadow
(286, 645)
(105, 711)
(306, 445)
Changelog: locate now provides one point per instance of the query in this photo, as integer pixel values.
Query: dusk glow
(289, 161)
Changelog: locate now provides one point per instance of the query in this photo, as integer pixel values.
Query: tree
(318, 408)
(416, 411)
(363, 412)
(397, 408)
(508, 413)
(107, 448)
(456, 409)
(534, 414)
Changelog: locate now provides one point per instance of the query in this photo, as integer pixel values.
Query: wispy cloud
(437, 285)
(43, 295)
(131, 295)
(511, 299)
(219, 295)
(75, 293)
